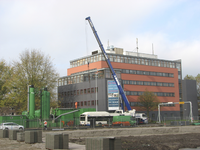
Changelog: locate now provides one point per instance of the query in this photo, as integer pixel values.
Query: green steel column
(48, 104)
(41, 104)
(32, 102)
(44, 104)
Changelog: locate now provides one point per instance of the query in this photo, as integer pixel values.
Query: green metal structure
(32, 102)
(59, 117)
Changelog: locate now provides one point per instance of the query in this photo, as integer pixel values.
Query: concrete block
(52, 141)
(29, 137)
(65, 141)
(20, 136)
(101, 143)
(3, 133)
(33, 137)
(117, 145)
(13, 134)
(38, 136)
(57, 141)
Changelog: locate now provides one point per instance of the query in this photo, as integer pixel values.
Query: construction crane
(109, 65)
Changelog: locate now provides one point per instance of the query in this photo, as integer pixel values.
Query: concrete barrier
(13, 134)
(57, 141)
(3, 133)
(20, 136)
(103, 143)
(33, 137)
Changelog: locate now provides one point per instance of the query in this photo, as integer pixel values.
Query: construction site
(118, 126)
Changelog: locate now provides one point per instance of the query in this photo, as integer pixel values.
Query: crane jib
(109, 65)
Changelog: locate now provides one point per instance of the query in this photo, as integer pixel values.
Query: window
(139, 82)
(127, 71)
(135, 93)
(77, 92)
(165, 74)
(92, 103)
(159, 74)
(92, 59)
(153, 83)
(142, 61)
(165, 84)
(81, 103)
(146, 72)
(129, 60)
(85, 103)
(127, 92)
(85, 91)
(146, 62)
(92, 90)
(125, 60)
(81, 91)
(135, 60)
(146, 83)
(171, 75)
(159, 83)
(138, 61)
(88, 103)
(88, 90)
(152, 73)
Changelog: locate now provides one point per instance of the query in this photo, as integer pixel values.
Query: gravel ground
(151, 142)
(157, 142)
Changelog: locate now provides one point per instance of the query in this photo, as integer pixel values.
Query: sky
(58, 28)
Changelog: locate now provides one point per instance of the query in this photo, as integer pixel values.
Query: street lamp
(96, 89)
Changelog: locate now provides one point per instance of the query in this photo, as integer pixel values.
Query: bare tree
(148, 101)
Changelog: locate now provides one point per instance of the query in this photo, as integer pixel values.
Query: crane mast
(109, 65)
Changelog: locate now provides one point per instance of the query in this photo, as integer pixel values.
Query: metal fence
(179, 121)
(93, 123)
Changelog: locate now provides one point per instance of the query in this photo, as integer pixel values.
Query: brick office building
(87, 83)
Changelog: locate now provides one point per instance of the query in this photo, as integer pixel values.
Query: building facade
(189, 89)
(89, 81)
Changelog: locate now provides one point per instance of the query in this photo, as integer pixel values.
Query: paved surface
(74, 146)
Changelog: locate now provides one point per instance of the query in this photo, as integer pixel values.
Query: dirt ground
(153, 142)
(156, 142)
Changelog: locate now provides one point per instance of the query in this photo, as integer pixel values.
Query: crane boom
(109, 65)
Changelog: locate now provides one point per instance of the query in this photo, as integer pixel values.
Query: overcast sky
(58, 28)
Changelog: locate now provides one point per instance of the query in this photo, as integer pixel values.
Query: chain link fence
(180, 121)
(74, 123)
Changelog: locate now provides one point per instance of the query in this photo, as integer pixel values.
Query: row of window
(161, 74)
(139, 104)
(125, 59)
(80, 78)
(80, 104)
(78, 92)
(147, 83)
(137, 93)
